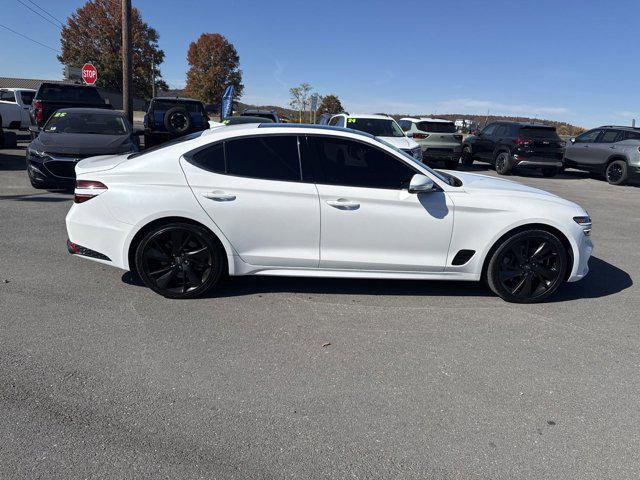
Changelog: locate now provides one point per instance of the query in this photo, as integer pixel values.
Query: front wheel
(527, 267)
(504, 165)
(179, 260)
(617, 172)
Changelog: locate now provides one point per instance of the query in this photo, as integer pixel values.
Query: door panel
(390, 230)
(269, 222)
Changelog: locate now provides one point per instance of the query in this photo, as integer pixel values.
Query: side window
(355, 164)
(631, 135)
(501, 131)
(270, 157)
(610, 136)
(7, 96)
(334, 121)
(489, 129)
(405, 125)
(588, 137)
(210, 159)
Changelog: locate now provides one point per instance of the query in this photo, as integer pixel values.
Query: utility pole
(153, 79)
(127, 76)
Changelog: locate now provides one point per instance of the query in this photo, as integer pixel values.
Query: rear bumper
(536, 161)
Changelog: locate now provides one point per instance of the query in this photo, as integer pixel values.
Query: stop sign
(89, 74)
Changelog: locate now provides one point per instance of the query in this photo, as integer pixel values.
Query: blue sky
(565, 60)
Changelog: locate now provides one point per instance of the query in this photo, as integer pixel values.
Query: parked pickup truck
(14, 107)
(54, 96)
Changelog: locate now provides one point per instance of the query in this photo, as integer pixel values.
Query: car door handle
(219, 196)
(343, 204)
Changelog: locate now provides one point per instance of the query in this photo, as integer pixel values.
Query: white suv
(380, 126)
(439, 139)
(14, 107)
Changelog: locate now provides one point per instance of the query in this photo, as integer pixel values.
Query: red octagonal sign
(89, 74)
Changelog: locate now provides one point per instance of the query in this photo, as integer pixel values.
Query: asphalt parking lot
(314, 378)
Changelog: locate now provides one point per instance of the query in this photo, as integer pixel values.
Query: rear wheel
(467, 157)
(617, 172)
(504, 165)
(528, 267)
(179, 260)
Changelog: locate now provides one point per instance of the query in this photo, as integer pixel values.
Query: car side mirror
(572, 140)
(420, 183)
(34, 129)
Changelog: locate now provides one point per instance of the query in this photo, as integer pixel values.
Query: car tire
(177, 121)
(527, 267)
(466, 157)
(179, 260)
(503, 163)
(550, 172)
(451, 164)
(617, 172)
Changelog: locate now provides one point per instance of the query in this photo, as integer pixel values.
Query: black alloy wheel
(503, 163)
(528, 267)
(179, 260)
(617, 173)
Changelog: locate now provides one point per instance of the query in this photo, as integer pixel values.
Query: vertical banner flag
(226, 103)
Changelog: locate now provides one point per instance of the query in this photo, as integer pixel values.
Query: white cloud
(469, 105)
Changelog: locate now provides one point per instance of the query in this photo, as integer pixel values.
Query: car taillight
(38, 109)
(421, 135)
(522, 141)
(87, 189)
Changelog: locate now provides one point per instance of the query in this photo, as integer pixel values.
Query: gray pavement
(101, 378)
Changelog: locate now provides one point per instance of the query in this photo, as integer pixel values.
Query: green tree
(300, 98)
(330, 104)
(213, 65)
(93, 33)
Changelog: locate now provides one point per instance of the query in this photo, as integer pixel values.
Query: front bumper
(38, 171)
(581, 259)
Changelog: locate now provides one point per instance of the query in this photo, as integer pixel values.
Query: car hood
(82, 144)
(401, 142)
(475, 183)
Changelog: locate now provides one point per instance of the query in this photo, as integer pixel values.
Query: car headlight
(32, 152)
(585, 223)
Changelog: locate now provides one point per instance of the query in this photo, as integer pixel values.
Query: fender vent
(462, 257)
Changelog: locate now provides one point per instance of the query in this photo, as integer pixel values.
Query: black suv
(508, 145)
(171, 117)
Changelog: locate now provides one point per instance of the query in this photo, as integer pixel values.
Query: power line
(38, 13)
(43, 10)
(29, 38)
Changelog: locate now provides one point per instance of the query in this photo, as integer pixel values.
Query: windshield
(437, 127)
(88, 123)
(175, 141)
(378, 127)
(68, 93)
(415, 162)
(539, 132)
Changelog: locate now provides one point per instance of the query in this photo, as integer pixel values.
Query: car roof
(364, 115)
(523, 124)
(257, 110)
(621, 127)
(427, 119)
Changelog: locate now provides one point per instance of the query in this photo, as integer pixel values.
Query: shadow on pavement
(12, 162)
(603, 280)
(39, 197)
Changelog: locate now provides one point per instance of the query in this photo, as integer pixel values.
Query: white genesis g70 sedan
(298, 200)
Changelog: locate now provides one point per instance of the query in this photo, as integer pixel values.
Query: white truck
(14, 107)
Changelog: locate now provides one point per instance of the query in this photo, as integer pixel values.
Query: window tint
(588, 137)
(539, 132)
(405, 125)
(632, 135)
(334, 121)
(27, 97)
(377, 127)
(211, 158)
(270, 157)
(191, 107)
(610, 136)
(437, 127)
(88, 123)
(489, 129)
(7, 96)
(66, 93)
(501, 131)
(350, 163)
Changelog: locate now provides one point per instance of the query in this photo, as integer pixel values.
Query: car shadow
(603, 280)
(11, 162)
(39, 197)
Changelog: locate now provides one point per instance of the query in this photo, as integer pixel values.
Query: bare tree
(300, 98)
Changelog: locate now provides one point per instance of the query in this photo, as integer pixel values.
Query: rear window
(378, 127)
(175, 141)
(538, 132)
(67, 93)
(270, 116)
(437, 127)
(191, 107)
(27, 97)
